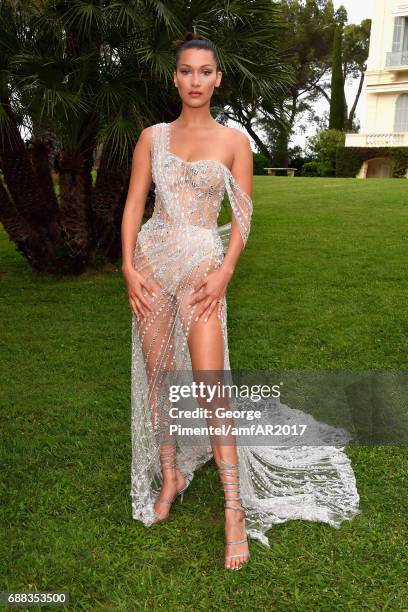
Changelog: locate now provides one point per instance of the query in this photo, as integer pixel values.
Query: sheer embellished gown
(175, 248)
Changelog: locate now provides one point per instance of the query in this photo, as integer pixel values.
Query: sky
(357, 10)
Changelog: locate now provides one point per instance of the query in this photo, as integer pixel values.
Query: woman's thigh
(206, 343)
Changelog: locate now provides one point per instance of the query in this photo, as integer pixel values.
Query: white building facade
(385, 89)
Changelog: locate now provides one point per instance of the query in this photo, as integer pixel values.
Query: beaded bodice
(191, 192)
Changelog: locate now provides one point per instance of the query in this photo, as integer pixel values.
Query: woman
(177, 272)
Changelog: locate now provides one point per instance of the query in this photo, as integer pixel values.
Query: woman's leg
(156, 332)
(206, 346)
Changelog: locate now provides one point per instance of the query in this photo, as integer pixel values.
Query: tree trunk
(23, 186)
(73, 209)
(40, 159)
(281, 156)
(115, 247)
(350, 118)
(88, 146)
(109, 196)
(261, 146)
(26, 240)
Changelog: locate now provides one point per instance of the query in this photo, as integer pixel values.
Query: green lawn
(322, 284)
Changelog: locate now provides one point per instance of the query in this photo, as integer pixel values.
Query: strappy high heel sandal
(168, 462)
(234, 488)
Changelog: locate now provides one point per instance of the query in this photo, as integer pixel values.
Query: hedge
(350, 159)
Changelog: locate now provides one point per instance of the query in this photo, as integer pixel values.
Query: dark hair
(193, 40)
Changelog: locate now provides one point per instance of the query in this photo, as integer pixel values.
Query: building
(385, 91)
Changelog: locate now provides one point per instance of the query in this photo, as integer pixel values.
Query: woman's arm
(139, 185)
(242, 171)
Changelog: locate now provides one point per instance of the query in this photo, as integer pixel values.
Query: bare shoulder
(145, 137)
(239, 140)
(239, 136)
(143, 145)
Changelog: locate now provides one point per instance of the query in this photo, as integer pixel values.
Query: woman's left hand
(209, 292)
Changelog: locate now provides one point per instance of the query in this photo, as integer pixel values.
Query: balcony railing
(379, 140)
(399, 58)
(392, 139)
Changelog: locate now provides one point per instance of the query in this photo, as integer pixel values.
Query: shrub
(260, 162)
(324, 146)
(310, 169)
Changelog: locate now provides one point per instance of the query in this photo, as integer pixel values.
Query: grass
(322, 284)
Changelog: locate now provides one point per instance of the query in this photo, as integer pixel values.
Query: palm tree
(89, 75)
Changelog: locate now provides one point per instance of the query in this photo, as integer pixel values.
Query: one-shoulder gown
(176, 247)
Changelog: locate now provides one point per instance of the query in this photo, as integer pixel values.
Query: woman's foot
(236, 543)
(174, 484)
(234, 527)
(172, 487)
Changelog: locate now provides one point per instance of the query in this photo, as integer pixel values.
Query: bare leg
(156, 334)
(206, 345)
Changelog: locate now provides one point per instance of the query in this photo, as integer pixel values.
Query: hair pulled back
(193, 40)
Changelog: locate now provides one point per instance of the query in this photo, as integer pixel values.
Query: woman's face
(196, 72)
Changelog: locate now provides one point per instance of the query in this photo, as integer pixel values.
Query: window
(401, 114)
(400, 38)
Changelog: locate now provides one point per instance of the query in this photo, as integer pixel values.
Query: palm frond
(83, 17)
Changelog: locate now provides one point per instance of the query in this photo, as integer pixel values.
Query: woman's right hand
(138, 288)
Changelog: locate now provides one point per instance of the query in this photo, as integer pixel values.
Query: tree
(307, 45)
(337, 106)
(92, 74)
(355, 48)
(356, 42)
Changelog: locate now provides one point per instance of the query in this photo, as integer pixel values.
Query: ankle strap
(168, 457)
(230, 487)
